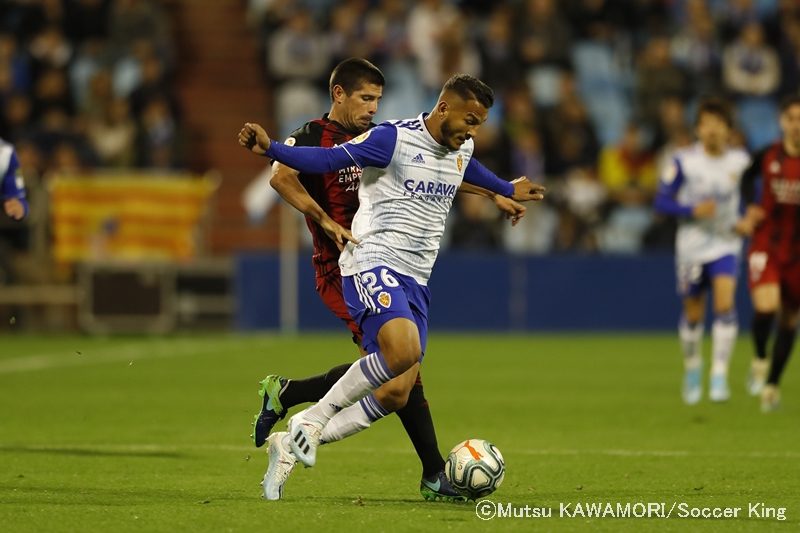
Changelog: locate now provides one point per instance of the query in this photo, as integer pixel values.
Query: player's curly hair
(468, 87)
(716, 106)
(354, 72)
(789, 101)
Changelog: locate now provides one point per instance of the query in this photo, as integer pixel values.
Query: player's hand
(253, 137)
(755, 213)
(704, 209)
(513, 211)
(337, 233)
(14, 208)
(525, 190)
(746, 225)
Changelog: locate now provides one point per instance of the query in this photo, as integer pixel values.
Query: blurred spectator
(570, 139)
(657, 79)
(750, 66)
(627, 169)
(696, 49)
(431, 24)
(160, 140)
(629, 174)
(113, 136)
(477, 226)
(581, 197)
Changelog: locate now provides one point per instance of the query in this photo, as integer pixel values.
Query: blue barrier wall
(501, 292)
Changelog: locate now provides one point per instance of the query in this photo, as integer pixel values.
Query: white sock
(691, 342)
(353, 419)
(363, 377)
(723, 339)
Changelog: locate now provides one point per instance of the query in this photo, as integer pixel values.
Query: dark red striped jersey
(779, 233)
(335, 192)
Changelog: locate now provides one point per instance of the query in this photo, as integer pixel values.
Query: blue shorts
(380, 294)
(693, 279)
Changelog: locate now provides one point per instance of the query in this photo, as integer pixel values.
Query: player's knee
(401, 351)
(392, 395)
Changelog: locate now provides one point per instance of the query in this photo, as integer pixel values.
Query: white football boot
(757, 377)
(281, 464)
(304, 438)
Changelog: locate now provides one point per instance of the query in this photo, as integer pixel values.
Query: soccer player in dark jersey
(774, 255)
(329, 201)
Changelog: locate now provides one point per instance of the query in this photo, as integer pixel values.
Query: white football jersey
(404, 204)
(697, 176)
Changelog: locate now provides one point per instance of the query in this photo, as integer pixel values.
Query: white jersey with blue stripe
(11, 182)
(404, 203)
(696, 176)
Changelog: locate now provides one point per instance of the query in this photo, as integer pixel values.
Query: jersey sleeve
(479, 175)
(13, 185)
(373, 148)
(666, 201)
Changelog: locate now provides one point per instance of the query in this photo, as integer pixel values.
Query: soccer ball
(475, 468)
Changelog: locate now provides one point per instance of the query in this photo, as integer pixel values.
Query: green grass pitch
(140, 434)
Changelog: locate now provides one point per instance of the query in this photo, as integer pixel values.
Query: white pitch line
(90, 356)
(158, 448)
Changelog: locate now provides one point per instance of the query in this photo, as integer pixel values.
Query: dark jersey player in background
(329, 202)
(774, 255)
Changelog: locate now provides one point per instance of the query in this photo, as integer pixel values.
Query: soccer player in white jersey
(701, 188)
(411, 170)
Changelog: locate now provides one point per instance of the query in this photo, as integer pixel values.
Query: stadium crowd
(594, 95)
(86, 84)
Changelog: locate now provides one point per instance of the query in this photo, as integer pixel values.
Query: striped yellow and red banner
(127, 217)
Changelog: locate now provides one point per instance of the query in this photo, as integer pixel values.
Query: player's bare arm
(285, 181)
(752, 217)
(14, 208)
(705, 209)
(512, 210)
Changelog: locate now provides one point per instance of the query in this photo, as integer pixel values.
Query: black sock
(416, 418)
(784, 342)
(311, 389)
(762, 327)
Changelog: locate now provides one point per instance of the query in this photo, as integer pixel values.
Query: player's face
(360, 106)
(713, 131)
(790, 124)
(462, 121)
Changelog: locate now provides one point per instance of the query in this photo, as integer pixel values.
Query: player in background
(411, 170)
(774, 255)
(701, 188)
(329, 201)
(15, 205)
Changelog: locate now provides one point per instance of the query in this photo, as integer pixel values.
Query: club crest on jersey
(774, 167)
(385, 299)
(459, 162)
(361, 138)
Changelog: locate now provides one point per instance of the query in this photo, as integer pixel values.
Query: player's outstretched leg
(724, 333)
(761, 328)
(691, 335)
(281, 464)
(782, 349)
(418, 423)
(399, 350)
(279, 394)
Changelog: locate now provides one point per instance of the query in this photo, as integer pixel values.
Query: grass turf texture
(137, 434)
